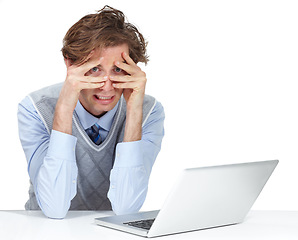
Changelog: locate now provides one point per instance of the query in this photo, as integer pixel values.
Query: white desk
(31, 225)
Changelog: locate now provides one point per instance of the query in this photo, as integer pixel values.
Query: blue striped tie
(93, 133)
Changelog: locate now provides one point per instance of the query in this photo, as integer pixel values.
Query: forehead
(111, 53)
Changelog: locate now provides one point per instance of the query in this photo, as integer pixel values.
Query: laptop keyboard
(144, 224)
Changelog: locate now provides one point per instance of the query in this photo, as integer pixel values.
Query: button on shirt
(52, 164)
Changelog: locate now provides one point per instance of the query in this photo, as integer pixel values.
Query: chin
(100, 110)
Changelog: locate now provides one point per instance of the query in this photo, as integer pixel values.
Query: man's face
(100, 100)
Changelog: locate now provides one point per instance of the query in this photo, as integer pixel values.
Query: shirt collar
(87, 119)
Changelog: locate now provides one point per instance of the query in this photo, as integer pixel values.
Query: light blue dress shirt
(52, 165)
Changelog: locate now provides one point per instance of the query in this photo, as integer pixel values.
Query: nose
(108, 85)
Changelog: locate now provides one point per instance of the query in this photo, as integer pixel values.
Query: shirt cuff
(129, 154)
(62, 145)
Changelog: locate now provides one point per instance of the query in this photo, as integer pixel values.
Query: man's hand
(75, 81)
(133, 86)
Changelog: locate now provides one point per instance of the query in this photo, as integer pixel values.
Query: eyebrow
(114, 66)
(99, 65)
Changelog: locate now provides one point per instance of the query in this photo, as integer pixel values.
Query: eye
(118, 70)
(95, 69)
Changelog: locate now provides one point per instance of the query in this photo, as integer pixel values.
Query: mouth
(103, 99)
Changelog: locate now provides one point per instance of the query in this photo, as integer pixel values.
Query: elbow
(121, 210)
(124, 210)
(54, 204)
(128, 205)
(55, 214)
(54, 210)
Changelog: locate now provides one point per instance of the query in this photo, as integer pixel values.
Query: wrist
(133, 125)
(63, 118)
(65, 106)
(134, 115)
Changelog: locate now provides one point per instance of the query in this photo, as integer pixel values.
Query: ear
(67, 62)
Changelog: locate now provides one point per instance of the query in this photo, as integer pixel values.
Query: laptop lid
(202, 198)
(211, 197)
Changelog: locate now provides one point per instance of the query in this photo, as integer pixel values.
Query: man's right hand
(75, 81)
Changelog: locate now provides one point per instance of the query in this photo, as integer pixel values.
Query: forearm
(128, 179)
(62, 121)
(133, 125)
(133, 164)
(64, 110)
(55, 182)
(51, 161)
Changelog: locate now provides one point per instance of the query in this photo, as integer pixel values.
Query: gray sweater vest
(94, 161)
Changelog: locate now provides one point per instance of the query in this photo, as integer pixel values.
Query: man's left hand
(133, 83)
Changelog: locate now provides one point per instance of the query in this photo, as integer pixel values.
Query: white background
(225, 72)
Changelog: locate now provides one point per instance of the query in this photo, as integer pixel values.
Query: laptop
(202, 198)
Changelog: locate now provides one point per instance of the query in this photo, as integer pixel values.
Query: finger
(90, 85)
(125, 78)
(127, 85)
(90, 55)
(94, 79)
(129, 65)
(128, 59)
(91, 64)
(124, 66)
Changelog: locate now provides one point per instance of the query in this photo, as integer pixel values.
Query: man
(91, 141)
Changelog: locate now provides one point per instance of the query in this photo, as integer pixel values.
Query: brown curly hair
(106, 28)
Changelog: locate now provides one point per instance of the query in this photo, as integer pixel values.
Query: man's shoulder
(153, 102)
(51, 91)
(149, 100)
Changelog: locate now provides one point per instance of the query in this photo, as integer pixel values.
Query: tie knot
(95, 128)
(93, 133)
